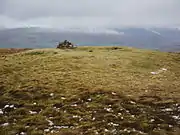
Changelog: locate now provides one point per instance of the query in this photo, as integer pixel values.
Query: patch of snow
(74, 105)
(168, 110)
(52, 94)
(176, 117)
(6, 106)
(113, 124)
(108, 109)
(76, 116)
(63, 98)
(132, 102)
(1, 112)
(27, 126)
(153, 31)
(127, 111)
(22, 133)
(46, 130)
(113, 93)
(32, 112)
(89, 99)
(154, 73)
(163, 69)
(152, 120)
(50, 122)
(60, 127)
(11, 106)
(106, 130)
(5, 124)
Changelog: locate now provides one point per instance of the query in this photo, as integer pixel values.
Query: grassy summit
(89, 90)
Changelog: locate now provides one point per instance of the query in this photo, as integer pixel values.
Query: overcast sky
(89, 13)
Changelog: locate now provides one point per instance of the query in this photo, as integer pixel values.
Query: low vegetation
(89, 90)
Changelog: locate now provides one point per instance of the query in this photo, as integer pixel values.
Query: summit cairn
(65, 45)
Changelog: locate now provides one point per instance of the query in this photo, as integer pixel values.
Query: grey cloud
(87, 13)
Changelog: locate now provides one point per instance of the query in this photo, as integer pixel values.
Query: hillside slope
(90, 90)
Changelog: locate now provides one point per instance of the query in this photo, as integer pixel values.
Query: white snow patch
(52, 94)
(167, 109)
(22, 133)
(6, 106)
(132, 102)
(74, 105)
(11, 106)
(46, 130)
(176, 117)
(32, 112)
(163, 69)
(5, 124)
(108, 109)
(1, 112)
(153, 31)
(63, 98)
(89, 99)
(154, 73)
(59, 127)
(50, 122)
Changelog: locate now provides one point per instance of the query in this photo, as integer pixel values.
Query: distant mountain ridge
(166, 39)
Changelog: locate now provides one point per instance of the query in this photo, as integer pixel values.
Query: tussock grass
(40, 80)
(124, 70)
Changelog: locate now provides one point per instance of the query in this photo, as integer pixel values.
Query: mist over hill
(165, 39)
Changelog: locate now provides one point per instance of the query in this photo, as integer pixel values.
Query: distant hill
(166, 39)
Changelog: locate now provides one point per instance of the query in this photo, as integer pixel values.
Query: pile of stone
(65, 45)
